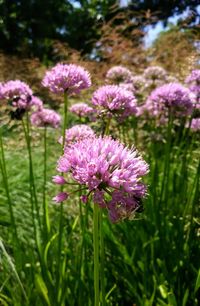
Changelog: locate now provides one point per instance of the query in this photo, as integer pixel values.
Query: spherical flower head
(68, 78)
(193, 80)
(27, 103)
(173, 97)
(104, 166)
(138, 82)
(112, 100)
(127, 86)
(76, 133)
(15, 89)
(119, 74)
(81, 110)
(194, 77)
(155, 73)
(45, 117)
(195, 125)
(171, 79)
(36, 103)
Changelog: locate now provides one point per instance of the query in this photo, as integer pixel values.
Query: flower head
(172, 96)
(110, 171)
(76, 133)
(81, 109)
(155, 73)
(67, 77)
(195, 124)
(36, 103)
(193, 80)
(138, 82)
(113, 100)
(45, 117)
(119, 74)
(194, 77)
(127, 86)
(15, 89)
(62, 196)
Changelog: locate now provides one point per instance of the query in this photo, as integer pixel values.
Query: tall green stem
(15, 237)
(167, 156)
(61, 204)
(96, 254)
(31, 184)
(45, 203)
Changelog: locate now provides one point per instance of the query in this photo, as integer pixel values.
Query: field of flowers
(99, 200)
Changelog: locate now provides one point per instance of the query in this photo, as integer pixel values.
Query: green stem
(32, 180)
(60, 237)
(106, 131)
(45, 203)
(102, 258)
(15, 237)
(96, 254)
(167, 156)
(30, 183)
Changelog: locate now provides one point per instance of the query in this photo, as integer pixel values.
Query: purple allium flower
(81, 110)
(138, 82)
(76, 133)
(127, 86)
(195, 124)
(122, 206)
(112, 100)
(36, 103)
(172, 96)
(154, 73)
(15, 89)
(59, 180)
(84, 198)
(119, 74)
(62, 196)
(68, 78)
(194, 77)
(110, 171)
(171, 79)
(45, 117)
(193, 80)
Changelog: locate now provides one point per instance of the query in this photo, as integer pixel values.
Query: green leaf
(163, 291)
(171, 299)
(185, 298)
(197, 285)
(42, 289)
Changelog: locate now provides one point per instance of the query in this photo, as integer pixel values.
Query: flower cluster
(195, 124)
(20, 98)
(81, 110)
(172, 96)
(193, 80)
(112, 100)
(76, 133)
(68, 78)
(155, 73)
(110, 171)
(194, 77)
(15, 89)
(45, 117)
(127, 86)
(138, 82)
(119, 74)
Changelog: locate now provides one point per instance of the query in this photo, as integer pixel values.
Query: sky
(152, 32)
